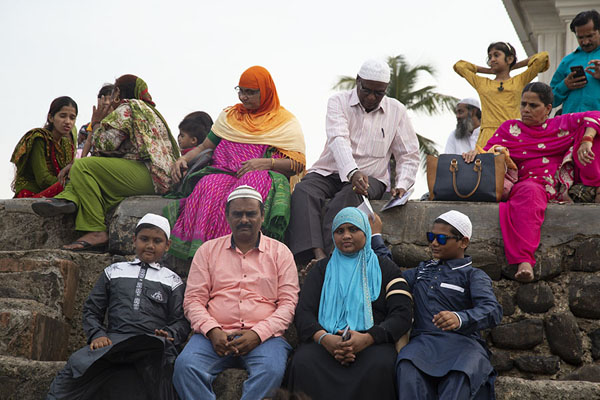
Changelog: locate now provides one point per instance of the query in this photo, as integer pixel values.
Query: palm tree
(402, 87)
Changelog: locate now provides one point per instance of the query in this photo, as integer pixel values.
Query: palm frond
(345, 82)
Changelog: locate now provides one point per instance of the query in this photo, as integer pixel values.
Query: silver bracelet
(322, 336)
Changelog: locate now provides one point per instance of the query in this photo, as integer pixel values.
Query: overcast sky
(191, 54)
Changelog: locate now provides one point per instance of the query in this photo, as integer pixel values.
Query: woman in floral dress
(133, 152)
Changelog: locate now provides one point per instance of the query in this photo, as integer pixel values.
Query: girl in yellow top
(501, 96)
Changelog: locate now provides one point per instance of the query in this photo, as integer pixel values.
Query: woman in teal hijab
(353, 307)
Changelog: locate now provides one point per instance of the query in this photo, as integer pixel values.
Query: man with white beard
(468, 119)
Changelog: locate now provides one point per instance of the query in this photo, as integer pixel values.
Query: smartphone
(346, 334)
(579, 72)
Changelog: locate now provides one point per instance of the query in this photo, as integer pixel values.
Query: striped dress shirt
(357, 139)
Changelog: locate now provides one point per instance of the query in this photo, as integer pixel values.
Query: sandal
(87, 247)
(53, 207)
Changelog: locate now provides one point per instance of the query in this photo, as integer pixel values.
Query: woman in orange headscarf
(256, 142)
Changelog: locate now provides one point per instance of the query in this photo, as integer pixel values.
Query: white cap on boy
(158, 221)
(460, 221)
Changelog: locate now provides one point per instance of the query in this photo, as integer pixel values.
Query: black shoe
(53, 207)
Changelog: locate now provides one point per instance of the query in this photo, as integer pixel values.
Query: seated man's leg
(307, 202)
(346, 198)
(414, 384)
(455, 385)
(197, 367)
(266, 366)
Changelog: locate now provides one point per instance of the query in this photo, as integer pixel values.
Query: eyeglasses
(440, 237)
(247, 92)
(367, 92)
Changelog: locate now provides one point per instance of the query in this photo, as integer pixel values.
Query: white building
(543, 25)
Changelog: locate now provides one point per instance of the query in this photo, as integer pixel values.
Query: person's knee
(183, 364)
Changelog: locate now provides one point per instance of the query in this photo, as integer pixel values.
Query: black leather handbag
(451, 179)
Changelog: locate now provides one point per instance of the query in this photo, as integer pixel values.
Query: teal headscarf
(352, 281)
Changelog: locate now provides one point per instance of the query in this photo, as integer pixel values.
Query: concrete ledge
(509, 388)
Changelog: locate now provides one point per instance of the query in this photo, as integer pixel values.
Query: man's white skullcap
(158, 221)
(244, 192)
(471, 102)
(460, 221)
(375, 70)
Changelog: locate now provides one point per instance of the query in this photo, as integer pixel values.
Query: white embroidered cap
(244, 192)
(158, 221)
(375, 70)
(471, 102)
(460, 221)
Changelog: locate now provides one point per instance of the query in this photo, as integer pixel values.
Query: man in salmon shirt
(241, 295)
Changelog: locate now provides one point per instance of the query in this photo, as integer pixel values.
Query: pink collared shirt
(231, 290)
(357, 139)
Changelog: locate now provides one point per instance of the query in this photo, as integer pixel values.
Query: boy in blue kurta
(446, 357)
(132, 356)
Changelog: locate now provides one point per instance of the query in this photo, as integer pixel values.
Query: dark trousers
(311, 219)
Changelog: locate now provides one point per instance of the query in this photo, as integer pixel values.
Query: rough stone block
(544, 365)
(587, 256)
(126, 216)
(52, 282)
(22, 379)
(590, 373)
(22, 229)
(564, 338)
(510, 388)
(595, 339)
(501, 360)
(26, 332)
(584, 296)
(520, 335)
(535, 297)
(228, 385)
(506, 300)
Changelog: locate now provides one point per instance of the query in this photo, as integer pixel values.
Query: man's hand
(398, 192)
(573, 83)
(360, 183)
(100, 342)
(163, 333)
(594, 68)
(179, 169)
(376, 224)
(446, 320)
(218, 338)
(245, 341)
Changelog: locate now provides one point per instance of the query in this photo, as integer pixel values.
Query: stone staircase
(548, 345)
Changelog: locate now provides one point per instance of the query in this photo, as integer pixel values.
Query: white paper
(398, 201)
(365, 207)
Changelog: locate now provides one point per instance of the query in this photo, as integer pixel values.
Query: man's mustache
(242, 226)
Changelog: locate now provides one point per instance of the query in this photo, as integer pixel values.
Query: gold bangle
(272, 163)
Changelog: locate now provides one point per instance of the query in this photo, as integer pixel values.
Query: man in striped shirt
(364, 129)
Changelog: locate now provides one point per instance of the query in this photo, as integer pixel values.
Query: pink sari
(544, 157)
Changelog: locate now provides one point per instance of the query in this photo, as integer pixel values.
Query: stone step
(50, 281)
(31, 330)
(22, 379)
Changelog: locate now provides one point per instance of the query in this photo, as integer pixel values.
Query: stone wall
(549, 336)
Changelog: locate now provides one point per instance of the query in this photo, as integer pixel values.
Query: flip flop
(87, 247)
(53, 207)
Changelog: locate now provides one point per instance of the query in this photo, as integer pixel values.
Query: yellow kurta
(498, 106)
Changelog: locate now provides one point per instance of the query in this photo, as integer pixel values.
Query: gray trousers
(311, 220)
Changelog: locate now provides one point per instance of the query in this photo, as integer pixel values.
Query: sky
(192, 53)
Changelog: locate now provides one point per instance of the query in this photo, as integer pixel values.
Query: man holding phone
(576, 82)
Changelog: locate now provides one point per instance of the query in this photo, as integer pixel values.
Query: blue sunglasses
(440, 237)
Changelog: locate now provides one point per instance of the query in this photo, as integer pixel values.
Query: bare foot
(93, 238)
(524, 273)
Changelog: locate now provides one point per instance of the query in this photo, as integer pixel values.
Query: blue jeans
(198, 365)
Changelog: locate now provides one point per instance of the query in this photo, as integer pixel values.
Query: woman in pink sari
(550, 155)
(256, 142)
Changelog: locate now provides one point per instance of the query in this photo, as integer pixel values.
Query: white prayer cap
(244, 192)
(460, 221)
(471, 102)
(375, 70)
(158, 221)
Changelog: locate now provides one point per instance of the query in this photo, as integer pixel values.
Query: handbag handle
(454, 169)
